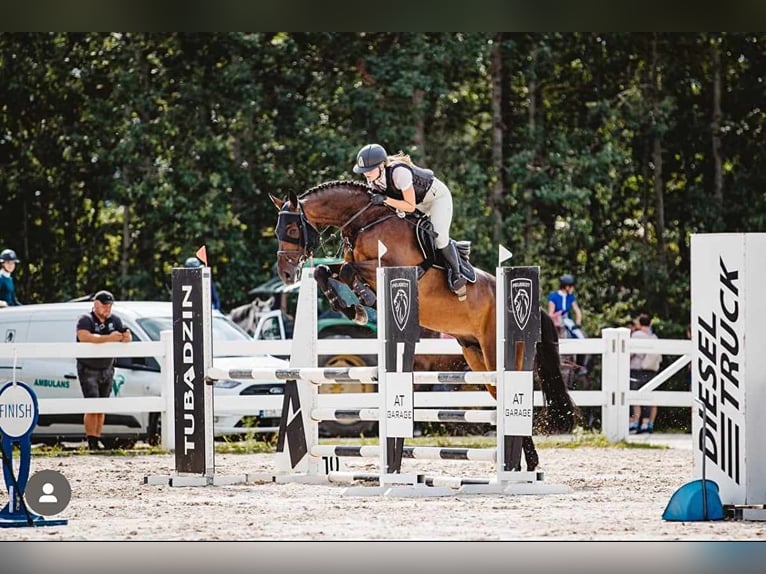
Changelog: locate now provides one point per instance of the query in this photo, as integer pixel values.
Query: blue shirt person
(562, 304)
(8, 261)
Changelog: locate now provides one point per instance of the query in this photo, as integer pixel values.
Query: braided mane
(350, 185)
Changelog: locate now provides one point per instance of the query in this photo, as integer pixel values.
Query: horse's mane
(350, 185)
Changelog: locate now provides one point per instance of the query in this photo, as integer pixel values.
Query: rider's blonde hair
(402, 157)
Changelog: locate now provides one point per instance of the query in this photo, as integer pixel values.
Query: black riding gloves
(378, 199)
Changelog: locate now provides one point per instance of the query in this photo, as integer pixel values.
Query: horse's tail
(560, 414)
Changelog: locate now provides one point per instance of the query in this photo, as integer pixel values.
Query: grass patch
(250, 444)
(58, 450)
(577, 439)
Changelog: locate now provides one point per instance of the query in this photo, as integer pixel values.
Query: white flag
(381, 250)
(504, 255)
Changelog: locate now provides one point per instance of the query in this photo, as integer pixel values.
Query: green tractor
(270, 316)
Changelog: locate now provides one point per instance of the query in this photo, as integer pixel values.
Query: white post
(500, 372)
(303, 353)
(167, 418)
(615, 383)
(382, 296)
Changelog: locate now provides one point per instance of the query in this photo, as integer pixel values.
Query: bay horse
(346, 205)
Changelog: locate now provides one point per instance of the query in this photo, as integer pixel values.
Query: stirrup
(461, 291)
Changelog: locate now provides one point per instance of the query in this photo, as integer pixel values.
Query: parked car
(133, 376)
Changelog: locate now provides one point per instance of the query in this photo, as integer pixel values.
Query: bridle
(307, 240)
(309, 237)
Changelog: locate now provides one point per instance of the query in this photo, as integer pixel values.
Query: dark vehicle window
(223, 329)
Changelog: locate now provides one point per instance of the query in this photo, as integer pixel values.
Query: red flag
(202, 255)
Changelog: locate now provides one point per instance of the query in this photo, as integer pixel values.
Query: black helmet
(193, 262)
(370, 157)
(8, 255)
(566, 280)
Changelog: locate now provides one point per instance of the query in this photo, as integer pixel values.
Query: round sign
(18, 409)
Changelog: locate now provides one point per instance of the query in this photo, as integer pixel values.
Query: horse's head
(297, 238)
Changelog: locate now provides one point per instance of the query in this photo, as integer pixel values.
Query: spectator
(95, 374)
(193, 262)
(8, 261)
(561, 304)
(643, 367)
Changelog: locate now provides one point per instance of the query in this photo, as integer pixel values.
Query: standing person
(95, 374)
(643, 367)
(193, 262)
(407, 187)
(561, 304)
(8, 261)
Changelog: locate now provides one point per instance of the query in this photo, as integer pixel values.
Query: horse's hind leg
(530, 453)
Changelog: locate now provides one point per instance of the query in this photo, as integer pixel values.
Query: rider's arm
(403, 181)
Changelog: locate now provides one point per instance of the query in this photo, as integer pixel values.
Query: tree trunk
(125, 255)
(659, 186)
(716, 131)
(498, 189)
(420, 125)
(532, 125)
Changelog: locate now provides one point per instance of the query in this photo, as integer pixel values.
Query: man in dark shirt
(95, 374)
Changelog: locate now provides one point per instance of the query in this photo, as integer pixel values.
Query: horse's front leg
(355, 313)
(349, 275)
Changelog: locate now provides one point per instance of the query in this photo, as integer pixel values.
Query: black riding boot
(455, 279)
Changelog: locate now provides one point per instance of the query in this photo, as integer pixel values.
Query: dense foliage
(595, 154)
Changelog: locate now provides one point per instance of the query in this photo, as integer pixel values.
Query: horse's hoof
(367, 298)
(361, 317)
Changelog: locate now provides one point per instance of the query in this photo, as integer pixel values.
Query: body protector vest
(421, 180)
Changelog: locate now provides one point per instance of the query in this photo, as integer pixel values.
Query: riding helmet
(566, 280)
(8, 255)
(370, 157)
(193, 262)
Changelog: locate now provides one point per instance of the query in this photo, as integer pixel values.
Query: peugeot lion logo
(400, 301)
(521, 300)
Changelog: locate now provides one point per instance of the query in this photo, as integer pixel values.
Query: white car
(134, 376)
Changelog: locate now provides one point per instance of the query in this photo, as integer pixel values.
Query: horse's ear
(277, 202)
(293, 199)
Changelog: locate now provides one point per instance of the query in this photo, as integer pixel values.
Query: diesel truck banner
(728, 314)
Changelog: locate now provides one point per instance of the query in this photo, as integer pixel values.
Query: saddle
(425, 234)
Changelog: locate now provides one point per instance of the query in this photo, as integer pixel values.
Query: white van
(138, 376)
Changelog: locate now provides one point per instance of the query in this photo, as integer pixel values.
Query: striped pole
(415, 452)
(421, 415)
(316, 375)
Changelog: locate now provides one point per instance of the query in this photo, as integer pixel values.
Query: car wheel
(351, 428)
(154, 430)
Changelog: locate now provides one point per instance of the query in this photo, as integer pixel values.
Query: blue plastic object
(692, 502)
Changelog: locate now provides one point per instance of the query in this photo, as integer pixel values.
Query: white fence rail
(614, 397)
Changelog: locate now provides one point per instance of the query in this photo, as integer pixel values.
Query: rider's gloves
(377, 199)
